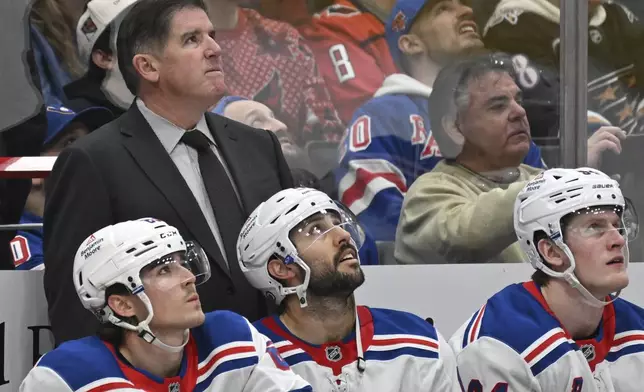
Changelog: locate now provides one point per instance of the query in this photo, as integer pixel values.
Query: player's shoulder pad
(515, 306)
(89, 354)
(394, 322)
(220, 328)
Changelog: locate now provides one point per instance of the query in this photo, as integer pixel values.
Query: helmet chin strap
(570, 277)
(143, 328)
(299, 290)
(586, 296)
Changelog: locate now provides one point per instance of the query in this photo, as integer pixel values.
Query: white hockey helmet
(555, 193)
(118, 254)
(266, 234)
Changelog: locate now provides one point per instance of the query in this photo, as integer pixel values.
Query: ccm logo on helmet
(603, 186)
(169, 234)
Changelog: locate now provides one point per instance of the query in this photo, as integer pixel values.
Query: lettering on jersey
(93, 247)
(527, 75)
(360, 131)
(577, 384)
(476, 386)
(168, 234)
(431, 148)
(589, 352)
(333, 353)
(341, 63)
(419, 133)
(174, 387)
(20, 250)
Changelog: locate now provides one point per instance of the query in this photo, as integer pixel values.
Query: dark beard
(332, 283)
(335, 284)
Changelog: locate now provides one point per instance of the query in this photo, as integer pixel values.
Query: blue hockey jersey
(401, 352)
(26, 246)
(516, 343)
(387, 146)
(226, 353)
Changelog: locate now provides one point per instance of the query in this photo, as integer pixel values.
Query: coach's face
(190, 65)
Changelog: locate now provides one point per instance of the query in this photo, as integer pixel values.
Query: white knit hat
(98, 15)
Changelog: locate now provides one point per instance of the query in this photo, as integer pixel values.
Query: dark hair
(146, 27)
(539, 277)
(108, 331)
(94, 72)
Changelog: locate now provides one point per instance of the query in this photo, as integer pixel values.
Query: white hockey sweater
(226, 353)
(402, 352)
(514, 343)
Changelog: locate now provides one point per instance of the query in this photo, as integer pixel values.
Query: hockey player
(301, 249)
(565, 330)
(389, 142)
(139, 278)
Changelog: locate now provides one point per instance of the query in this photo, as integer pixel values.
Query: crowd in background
(424, 118)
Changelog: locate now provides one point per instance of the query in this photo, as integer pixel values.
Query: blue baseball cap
(59, 117)
(225, 101)
(399, 22)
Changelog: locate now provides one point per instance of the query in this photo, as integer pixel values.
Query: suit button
(230, 291)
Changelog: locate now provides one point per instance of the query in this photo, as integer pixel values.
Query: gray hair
(451, 96)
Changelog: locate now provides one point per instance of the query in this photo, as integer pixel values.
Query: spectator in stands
(64, 126)
(615, 61)
(269, 62)
(461, 211)
(347, 38)
(102, 84)
(201, 173)
(300, 249)
(390, 142)
(52, 37)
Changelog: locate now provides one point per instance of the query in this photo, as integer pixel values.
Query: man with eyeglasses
(565, 329)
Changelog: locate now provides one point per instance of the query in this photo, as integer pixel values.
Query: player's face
(597, 243)
(331, 255)
(447, 30)
(173, 295)
(190, 64)
(494, 123)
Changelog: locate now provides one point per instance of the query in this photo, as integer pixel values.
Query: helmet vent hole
(312, 203)
(275, 220)
(528, 242)
(80, 278)
(146, 243)
(144, 250)
(130, 250)
(573, 180)
(556, 177)
(246, 247)
(292, 209)
(160, 226)
(614, 197)
(280, 199)
(599, 197)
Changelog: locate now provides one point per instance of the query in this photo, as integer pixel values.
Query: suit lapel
(230, 150)
(148, 152)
